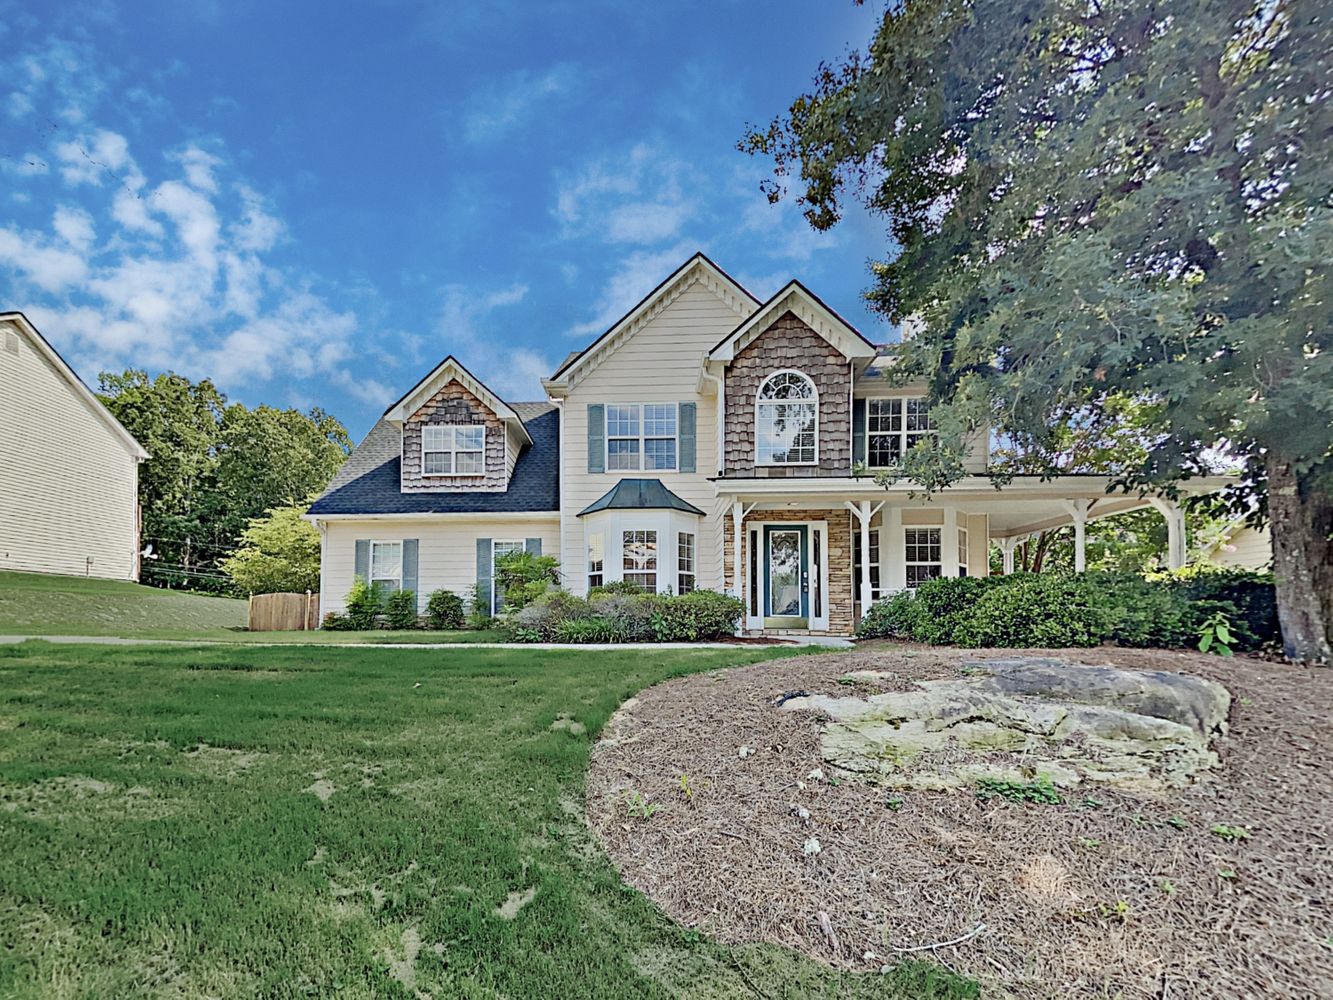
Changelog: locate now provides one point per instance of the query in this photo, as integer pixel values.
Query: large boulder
(1028, 717)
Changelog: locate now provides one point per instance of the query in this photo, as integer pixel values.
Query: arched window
(786, 420)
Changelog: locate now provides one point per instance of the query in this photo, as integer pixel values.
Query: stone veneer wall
(453, 404)
(789, 343)
(840, 589)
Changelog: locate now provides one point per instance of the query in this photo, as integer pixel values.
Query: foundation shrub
(1247, 598)
(1037, 610)
(619, 616)
(362, 606)
(944, 604)
(444, 611)
(699, 616)
(400, 610)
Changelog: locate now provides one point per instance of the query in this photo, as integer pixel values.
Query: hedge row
(620, 616)
(1027, 610)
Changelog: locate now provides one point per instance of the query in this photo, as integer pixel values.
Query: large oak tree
(1099, 201)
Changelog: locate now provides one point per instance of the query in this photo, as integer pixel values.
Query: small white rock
(417, 684)
(803, 813)
(816, 775)
(800, 785)
(812, 847)
(869, 956)
(745, 752)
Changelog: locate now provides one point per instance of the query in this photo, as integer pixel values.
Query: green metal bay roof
(640, 494)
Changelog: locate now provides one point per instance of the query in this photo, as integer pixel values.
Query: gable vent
(11, 341)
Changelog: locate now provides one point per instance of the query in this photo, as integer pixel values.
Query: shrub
(1144, 614)
(616, 587)
(1036, 610)
(363, 605)
(479, 608)
(334, 622)
(630, 614)
(699, 616)
(584, 630)
(892, 618)
(444, 611)
(524, 576)
(943, 604)
(539, 620)
(400, 609)
(1248, 599)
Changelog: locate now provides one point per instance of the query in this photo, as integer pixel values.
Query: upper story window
(453, 450)
(641, 436)
(893, 426)
(786, 420)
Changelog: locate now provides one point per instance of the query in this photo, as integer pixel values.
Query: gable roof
(811, 310)
(640, 494)
(450, 370)
(369, 482)
(697, 268)
(85, 395)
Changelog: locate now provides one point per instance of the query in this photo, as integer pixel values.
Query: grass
(39, 604)
(235, 821)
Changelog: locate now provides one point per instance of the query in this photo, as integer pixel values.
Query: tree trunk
(1301, 517)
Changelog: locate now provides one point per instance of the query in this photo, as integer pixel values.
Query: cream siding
(68, 482)
(1246, 548)
(446, 549)
(659, 364)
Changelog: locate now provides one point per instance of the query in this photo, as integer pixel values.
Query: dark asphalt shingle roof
(369, 481)
(640, 494)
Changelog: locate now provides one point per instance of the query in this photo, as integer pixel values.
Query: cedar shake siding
(789, 344)
(453, 404)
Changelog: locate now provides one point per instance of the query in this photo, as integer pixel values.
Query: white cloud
(75, 227)
(637, 198)
(94, 159)
(199, 166)
(470, 332)
(515, 101)
(638, 274)
(49, 268)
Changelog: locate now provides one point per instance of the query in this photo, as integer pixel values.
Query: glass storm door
(787, 602)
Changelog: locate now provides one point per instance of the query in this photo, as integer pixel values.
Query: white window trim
(759, 403)
(371, 578)
(962, 568)
(906, 439)
(495, 545)
(907, 563)
(453, 452)
(656, 571)
(643, 439)
(693, 571)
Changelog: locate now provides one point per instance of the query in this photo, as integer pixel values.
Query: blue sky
(314, 203)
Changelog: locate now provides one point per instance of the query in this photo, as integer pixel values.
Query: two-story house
(707, 439)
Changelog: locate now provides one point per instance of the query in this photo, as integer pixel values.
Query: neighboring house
(69, 472)
(1243, 547)
(706, 440)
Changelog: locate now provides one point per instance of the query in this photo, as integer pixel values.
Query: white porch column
(1007, 546)
(1078, 510)
(1175, 531)
(863, 515)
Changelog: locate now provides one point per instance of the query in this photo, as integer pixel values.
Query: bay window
(639, 559)
(684, 562)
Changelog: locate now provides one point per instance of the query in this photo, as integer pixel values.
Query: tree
(1101, 202)
(278, 553)
(215, 467)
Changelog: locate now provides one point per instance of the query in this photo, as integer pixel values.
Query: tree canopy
(278, 553)
(215, 467)
(1100, 204)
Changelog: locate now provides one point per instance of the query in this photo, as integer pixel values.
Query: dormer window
(786, 420)
(453, 450)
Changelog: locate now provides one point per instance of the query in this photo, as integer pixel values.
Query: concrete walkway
(112, 640)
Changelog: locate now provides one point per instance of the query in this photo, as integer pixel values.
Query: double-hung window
(684, 562)
(962, 552)
(786, 420)
(639, 559)
(893, 426)
(453, 450)
(386, 565)
(922, 555)
(596, 561)
(641, 436)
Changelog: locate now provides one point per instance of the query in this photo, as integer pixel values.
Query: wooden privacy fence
(284, 612)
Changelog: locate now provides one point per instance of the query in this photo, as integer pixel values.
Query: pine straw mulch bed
(1134, 897)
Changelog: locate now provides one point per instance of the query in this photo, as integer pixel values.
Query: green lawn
(232, 821)
(39, 604)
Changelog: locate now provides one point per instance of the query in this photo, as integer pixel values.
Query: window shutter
(859, 430)
(410, 567)
(533, 546)
(687, 435)
(362, 565)
(596, 437)
(484, 570)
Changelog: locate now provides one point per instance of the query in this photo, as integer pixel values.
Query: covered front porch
(809, 555)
